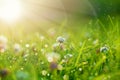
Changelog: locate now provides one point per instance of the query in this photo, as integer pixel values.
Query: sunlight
(10, 10)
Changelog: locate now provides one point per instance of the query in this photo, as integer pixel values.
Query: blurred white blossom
(27, 45)
(44, 72)
(17, 47)
(53, 57)
(3, 43)
(104, 49)
(60, 67)
(95, 41)
(42, 38)
(66, 77)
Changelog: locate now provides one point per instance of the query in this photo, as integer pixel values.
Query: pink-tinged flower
(3, 43)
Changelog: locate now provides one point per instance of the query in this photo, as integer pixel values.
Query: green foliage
(84, 60)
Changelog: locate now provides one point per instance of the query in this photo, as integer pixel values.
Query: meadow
(90, 52)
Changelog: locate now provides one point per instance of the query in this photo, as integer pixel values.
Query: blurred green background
(106, 7)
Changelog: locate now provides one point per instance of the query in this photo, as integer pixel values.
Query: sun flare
(10, 10)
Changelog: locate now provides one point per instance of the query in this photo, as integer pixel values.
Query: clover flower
(95, 41)
(60, 39)
(67, 57)
(53, 65)
(42, 38)
(55, 46)
(104, 49)
(60, 67)
(44, 72)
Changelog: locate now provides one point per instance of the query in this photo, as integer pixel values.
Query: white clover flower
(60, 67)
(67, 56)
(66, 77)
(80, 69)
(3, 43)
(95, 42)
(46, 45)
(51, 32)
(42, 38)
(44, 72)
(104, 49)
(53, 57)
(17, 47)
(55, 46)
(60, 39)
(27, 45)
(43, 51)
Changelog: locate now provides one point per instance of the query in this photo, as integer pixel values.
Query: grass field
(90, 52)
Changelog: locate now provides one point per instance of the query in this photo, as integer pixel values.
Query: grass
(86, 62)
